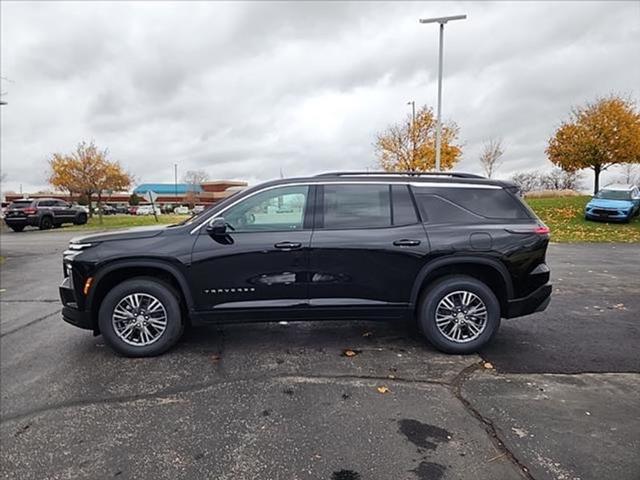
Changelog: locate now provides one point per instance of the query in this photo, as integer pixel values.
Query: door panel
(248, 270)
(359, 257)
(263, 259)
(364, 267)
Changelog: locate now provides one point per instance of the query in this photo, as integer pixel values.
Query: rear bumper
(534, 302)
(31, 220)
(70, 311)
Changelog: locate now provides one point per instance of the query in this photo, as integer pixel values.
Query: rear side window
(356, 206)
(468, 204)
(402, 210)
(45, 203)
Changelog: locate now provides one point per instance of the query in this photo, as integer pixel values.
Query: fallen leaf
(383, 389)
(487, 365)
(350, 353)
(367, 334)
(215, 358)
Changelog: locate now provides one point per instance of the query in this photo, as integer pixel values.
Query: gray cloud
(243, 90)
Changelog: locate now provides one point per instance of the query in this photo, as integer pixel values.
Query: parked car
(615, 202)
(43, 213)
(181, 210)
(121, 209)
(106, 210)
(147, 210)
(198, 209)
(456, 252)
(133, 209)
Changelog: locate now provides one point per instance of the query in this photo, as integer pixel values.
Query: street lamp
(413, 132)
(441, 21)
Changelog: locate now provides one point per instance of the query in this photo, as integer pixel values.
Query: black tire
(436, 292)
(17, 228)
(46, 222)
(160, 291)
(80, 219)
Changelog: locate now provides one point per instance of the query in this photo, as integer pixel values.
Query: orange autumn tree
(88, 171)
(597, 136)
(412, 147)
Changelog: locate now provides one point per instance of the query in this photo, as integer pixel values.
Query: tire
(17, 228)
(46, 223)
(449, 291)
(80, 219)
(147, 289)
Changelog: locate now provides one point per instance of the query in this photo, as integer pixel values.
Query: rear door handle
(406, 243)
(287, 245)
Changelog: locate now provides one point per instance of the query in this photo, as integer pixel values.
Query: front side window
(356, 206)
(273, 210)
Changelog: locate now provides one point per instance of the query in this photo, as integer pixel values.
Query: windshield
(614, 195)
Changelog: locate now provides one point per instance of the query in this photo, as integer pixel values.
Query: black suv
(454, 251)
(43, 213)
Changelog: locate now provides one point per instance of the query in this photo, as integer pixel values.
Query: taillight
(30, 210)
(538, 230)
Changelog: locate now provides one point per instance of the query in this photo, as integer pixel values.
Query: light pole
(175, 180)
(413, 133)
(441, 21)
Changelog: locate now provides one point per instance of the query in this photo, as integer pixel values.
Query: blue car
(614, 203)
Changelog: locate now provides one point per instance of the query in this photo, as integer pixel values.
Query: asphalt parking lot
(276, 401)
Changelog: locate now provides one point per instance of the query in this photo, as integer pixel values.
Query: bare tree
(559, 179)
(195, 177)
(630, 174)
(527, 181)
(491, 156)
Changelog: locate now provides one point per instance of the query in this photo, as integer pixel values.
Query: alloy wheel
(461, 316)
(139, 319)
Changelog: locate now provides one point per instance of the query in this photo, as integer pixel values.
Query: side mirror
(217, 227)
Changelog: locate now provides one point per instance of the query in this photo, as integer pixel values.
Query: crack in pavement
(489, 427)
(204, 385)
(42, 300)
(28, 324)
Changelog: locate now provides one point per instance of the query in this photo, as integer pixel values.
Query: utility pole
(441, 21)
(413, 133)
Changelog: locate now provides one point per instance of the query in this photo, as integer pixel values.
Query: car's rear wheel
(459, 314)
(17, 228)
(141, 317)
(46, 223)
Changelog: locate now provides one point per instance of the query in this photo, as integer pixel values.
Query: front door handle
(406, 243)
(287, 245)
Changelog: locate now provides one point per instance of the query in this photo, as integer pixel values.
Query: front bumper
(607, 214)
(70, 311)
(534, 302)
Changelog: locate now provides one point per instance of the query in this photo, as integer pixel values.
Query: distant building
(207, 193)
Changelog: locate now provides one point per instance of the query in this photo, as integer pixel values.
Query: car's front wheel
(459, 314)
(141, 317)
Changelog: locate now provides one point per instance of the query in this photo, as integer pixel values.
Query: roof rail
(410, 174)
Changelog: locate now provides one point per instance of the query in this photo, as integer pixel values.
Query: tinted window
(484, 202)
(402, 210)
(272, 210)
(356, 206)
(435, 209)
(614, 194)
(45, 203)
(21, 204)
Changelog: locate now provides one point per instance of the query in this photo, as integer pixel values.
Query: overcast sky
(245, 90)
